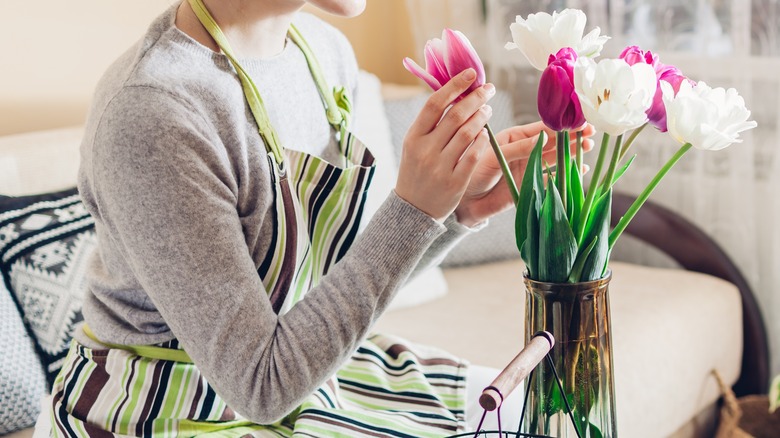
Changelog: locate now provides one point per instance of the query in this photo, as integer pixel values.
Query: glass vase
(577, 314)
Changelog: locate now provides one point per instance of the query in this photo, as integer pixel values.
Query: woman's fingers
(521, 149)
(426, 176)
(522, 132)
(551, 158)
(438, 102)
(466, 135)
(462, 112)
(469, 160)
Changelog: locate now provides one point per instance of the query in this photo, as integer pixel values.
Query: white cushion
(372, 127)
(39, 162)
(670, 329)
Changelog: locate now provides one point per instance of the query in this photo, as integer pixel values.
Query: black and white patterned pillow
(22, 380)
(45, 244)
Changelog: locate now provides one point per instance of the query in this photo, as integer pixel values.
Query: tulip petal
(568, 27)
(535, 45)
(614, 96)
(434, 60)
(592, 43)
(552, 99)
(460, 55)
(557, 101)
(420, 72)
(708, 118)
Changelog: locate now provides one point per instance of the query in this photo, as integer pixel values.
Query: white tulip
(541, 35)
(614, 96)
(707, 118)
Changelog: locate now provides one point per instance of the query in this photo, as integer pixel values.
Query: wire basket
(521, 368)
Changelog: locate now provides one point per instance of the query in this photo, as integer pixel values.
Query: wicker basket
(746, 417)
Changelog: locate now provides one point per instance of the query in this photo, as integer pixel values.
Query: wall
(54, 52)
(381, 37)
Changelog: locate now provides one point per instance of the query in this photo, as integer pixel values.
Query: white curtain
(733, 195)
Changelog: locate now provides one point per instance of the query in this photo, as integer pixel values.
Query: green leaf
(594, 431)
(579, 262)
(532, 183)
(552, 398)
(562, 165)
(622, 170)
(530, 250)
(558, 248)
(598, 227)
(577, 197)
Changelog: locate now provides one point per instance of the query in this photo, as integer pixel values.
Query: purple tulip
(445, 58)
(656, 115)
(559, 106)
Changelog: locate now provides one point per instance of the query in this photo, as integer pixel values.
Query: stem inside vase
(578, 317)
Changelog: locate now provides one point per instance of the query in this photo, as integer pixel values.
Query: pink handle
(516, 371)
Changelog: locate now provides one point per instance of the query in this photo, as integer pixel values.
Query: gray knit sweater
(176, 177)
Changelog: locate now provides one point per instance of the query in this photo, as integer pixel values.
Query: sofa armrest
(689, 246)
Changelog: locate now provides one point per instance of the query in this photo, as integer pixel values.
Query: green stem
(593, 187)
(579, 153)
(607, 183)
(504, 166)
(630, 140)
(562, 142)
(640, 200)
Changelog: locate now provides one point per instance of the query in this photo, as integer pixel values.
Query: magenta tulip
(559, 105)
(445, 58)
(656, 115)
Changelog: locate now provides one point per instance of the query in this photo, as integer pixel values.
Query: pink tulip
(634, 55)
(656, 115)
(445, 58)
(559, 106)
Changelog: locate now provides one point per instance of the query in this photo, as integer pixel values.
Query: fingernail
(487, 109)
(470, 74)
(490, 89)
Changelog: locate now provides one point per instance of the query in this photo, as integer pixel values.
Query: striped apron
(388, 387)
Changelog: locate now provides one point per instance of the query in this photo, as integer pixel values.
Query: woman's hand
(487, 193)
(442, 150)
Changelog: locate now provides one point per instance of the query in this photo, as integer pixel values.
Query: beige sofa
(671, 328)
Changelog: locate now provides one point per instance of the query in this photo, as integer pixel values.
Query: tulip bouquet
(619, 97)
(562, 227)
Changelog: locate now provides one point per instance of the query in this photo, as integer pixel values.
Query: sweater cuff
(455, 232)
(453, 225)
(398, 235)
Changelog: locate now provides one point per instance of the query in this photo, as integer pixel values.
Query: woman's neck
(255, 29)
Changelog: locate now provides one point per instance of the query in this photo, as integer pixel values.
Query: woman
(230, 294)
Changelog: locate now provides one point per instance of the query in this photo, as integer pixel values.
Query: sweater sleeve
(167, 196)
(438, 250)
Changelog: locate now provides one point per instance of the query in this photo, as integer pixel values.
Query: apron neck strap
(336, 102)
